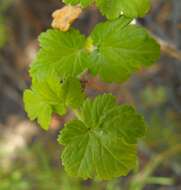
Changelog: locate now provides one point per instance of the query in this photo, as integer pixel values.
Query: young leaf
(61, 53)
(101, 143)
(112, 9)
(121, 50)
(50, 96)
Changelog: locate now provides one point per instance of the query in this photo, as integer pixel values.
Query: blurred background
(30, 157)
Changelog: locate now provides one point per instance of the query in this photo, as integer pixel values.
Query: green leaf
(112, 9)
(83, 3)
(73, 94)
(121, 49)
(102, 142)
(61, 53)
(114, 51)
(129, 8)
(50, 96)
(42, 99)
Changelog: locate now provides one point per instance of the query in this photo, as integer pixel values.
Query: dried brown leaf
(64, 17)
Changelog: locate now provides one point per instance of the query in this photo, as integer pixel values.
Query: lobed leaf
(50, 96)
(121, 49)
(61, 54)
(130, 8)
(102, 142)
(112, 9)
(114, 50)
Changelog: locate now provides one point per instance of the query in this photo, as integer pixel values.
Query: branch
(169, 49)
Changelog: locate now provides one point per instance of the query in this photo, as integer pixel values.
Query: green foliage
(83, 3)
(117, 47)
(131, 8)
(113, 9)
(61, 53)
(101, 142)
(50, 96)
(121, 49)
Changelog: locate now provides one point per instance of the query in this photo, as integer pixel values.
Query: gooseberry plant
(101, 141)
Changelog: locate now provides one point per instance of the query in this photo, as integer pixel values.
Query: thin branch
(169, 49)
